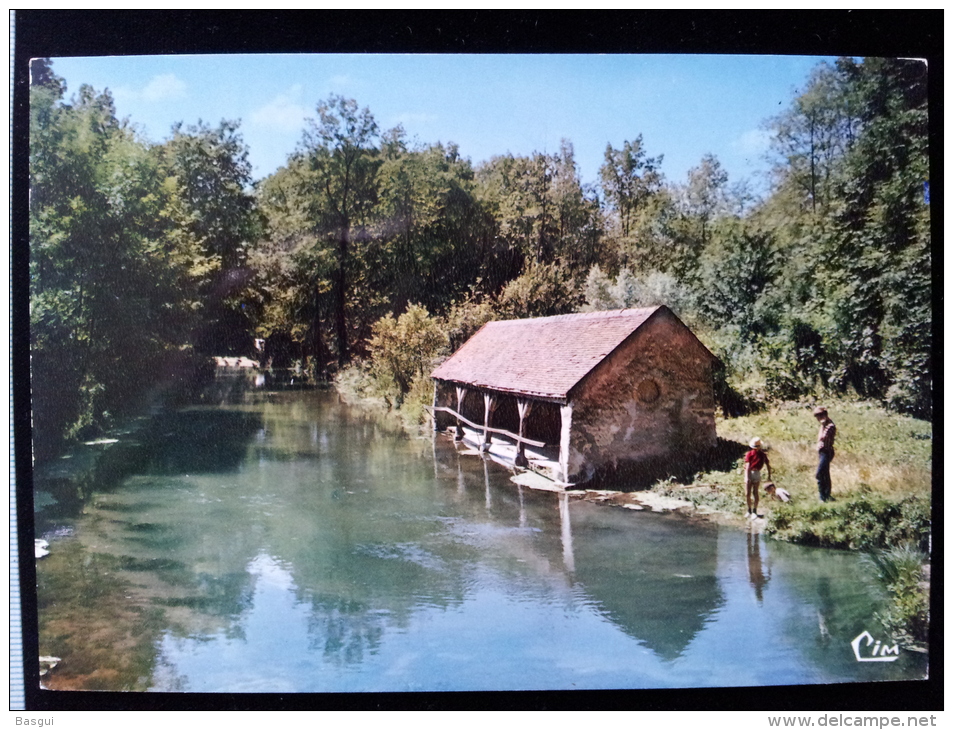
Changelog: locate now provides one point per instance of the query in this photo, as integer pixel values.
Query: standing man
(825, 452)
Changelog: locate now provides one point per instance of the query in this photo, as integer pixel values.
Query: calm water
(289, 543)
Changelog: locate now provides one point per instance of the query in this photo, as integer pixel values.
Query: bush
(465, 318)
(900, 569)
(542, 290)
(865, 522)
(404, 349)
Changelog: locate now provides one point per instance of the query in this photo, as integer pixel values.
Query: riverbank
(883, 464)
(297, 510)
(882, 478)
(882, 489)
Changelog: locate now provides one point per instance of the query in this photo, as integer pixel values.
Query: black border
(40, 33)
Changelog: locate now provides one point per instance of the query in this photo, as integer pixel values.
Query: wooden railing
(480, 427)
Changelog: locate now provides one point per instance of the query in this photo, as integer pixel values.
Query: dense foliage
(366, 246)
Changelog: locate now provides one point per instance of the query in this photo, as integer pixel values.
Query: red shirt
(756, 459)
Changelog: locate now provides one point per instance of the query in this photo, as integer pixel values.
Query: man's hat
(820, 411)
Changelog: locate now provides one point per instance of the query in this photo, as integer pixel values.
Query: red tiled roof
(542, 357)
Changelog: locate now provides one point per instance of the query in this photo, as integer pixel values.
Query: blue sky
(684, 106)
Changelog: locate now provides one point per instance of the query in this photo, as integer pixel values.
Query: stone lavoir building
(586, 395)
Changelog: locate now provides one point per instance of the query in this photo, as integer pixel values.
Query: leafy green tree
(850, 230)
(542, 211)
(294, 267)
(878, 264)
(704, 195)
(105, 284)
(213, 178)
(429, 228)
(516, 190)
(215, 222)
(628, 290)
(734, 272)
(579, 221)
(629, 180)
(342, 158)
(813, 134)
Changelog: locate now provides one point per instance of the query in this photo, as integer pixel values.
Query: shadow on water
(200, 441)
(635, 477)
(114, 579)
(169, 442)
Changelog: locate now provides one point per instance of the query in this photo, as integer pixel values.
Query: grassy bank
(881, 475)
(882, 479)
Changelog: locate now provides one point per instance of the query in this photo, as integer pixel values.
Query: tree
(543, 214)
(428, 226)
(294, 269)
(734, 272)
(215, 222)
(704, 196)
(213, 178)
(628, 290)
(542, 290)
(877, 263)
(813, 134)
(629, 179)
(517, 190)
(340, 152)
(579, 220)
(105, 285)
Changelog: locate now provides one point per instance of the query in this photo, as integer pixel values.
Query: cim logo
(880, 652)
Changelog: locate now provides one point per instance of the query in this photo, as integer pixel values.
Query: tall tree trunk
(316, 347)
(813, 172)
(339, 313)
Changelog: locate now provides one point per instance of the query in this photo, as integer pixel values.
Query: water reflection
(287, 542)
(756, 574)
(569, 560)
(651, 575)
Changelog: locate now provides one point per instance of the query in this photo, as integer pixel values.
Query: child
(755, 461)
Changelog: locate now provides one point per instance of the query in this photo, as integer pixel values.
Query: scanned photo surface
(445, 373)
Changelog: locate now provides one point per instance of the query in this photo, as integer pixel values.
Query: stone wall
(444, 397)
(651, 402)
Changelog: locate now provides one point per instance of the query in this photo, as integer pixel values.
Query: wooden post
(489, 405)
(524, 407)
(461, 395)
(565, 442)
(436, 402)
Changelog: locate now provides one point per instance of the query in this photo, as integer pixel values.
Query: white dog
(777, 492)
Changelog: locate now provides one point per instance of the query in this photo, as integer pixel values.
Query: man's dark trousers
(824, 475)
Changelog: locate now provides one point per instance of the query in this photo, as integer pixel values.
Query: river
(288, 542)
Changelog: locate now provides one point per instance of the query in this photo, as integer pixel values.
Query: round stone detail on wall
(648, 391)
